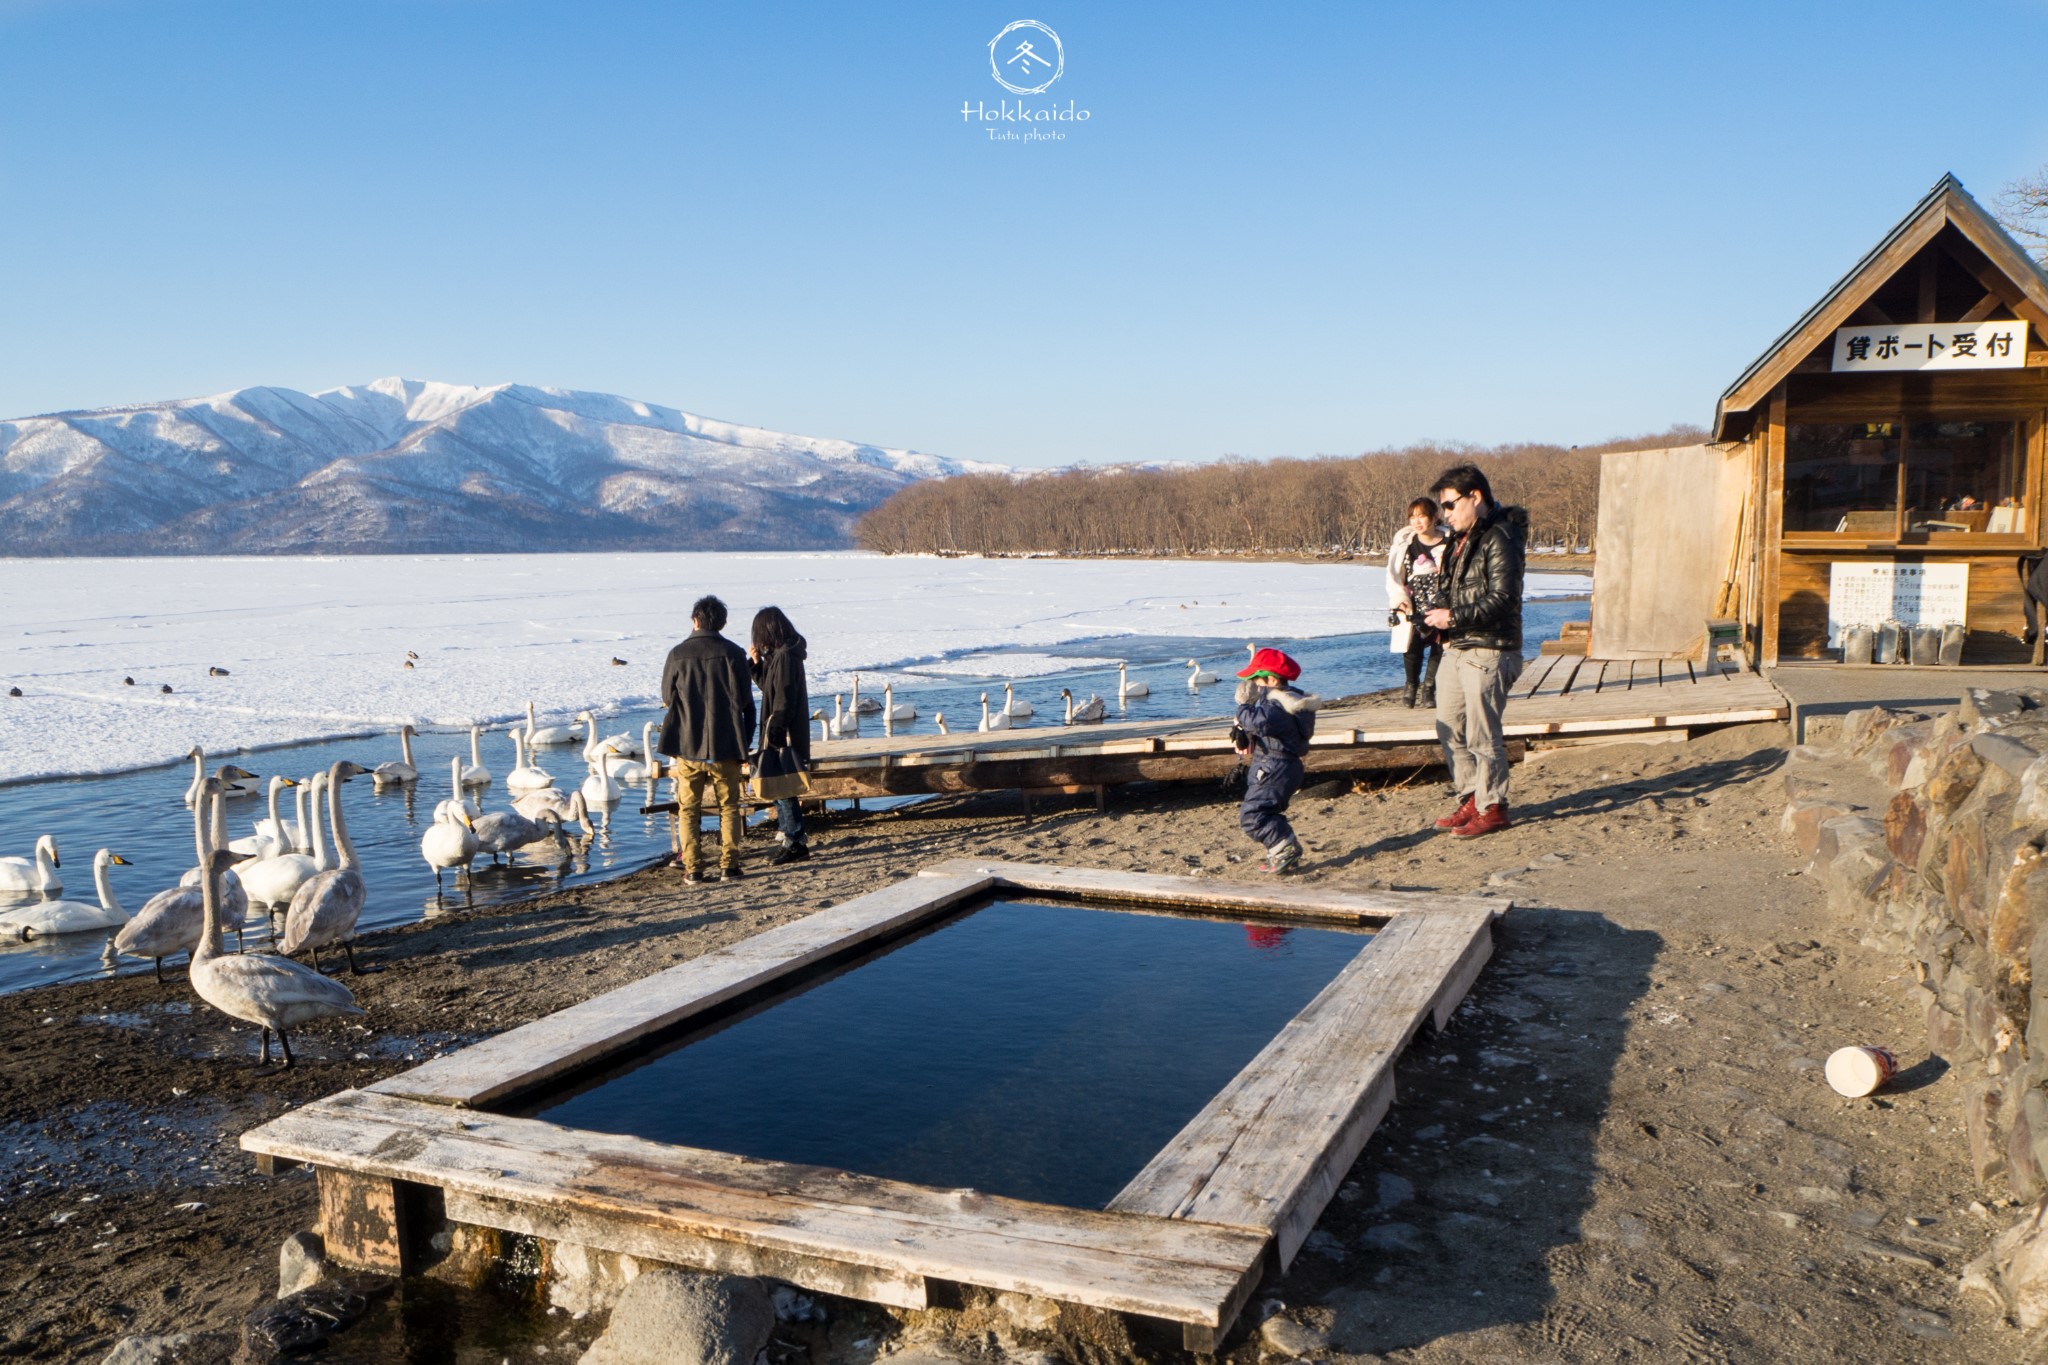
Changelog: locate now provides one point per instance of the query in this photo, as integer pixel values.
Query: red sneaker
(1486, 822)
(1460, 817)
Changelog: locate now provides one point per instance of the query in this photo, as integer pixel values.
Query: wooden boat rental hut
(1892, 441)
(1882, 461)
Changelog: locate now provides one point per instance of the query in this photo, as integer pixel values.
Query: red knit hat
(1274, 662)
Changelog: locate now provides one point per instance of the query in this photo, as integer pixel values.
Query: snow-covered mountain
(401, 465)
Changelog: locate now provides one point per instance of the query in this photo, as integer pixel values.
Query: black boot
(1429, 696)
(1408, 696)
(793, 852)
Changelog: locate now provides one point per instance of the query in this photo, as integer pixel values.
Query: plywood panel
(1666, 536)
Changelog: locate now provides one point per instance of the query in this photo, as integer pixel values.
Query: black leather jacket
(1486, 583)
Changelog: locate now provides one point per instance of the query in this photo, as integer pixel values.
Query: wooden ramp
(1557, 695)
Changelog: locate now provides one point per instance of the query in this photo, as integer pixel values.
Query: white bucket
(1857, 1071)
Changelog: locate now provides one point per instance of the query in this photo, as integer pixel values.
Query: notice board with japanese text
(1866, 594)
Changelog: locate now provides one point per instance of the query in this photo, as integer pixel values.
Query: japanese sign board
(1911, 594)
(1932, 346)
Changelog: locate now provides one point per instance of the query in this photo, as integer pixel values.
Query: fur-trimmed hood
(1288, 699)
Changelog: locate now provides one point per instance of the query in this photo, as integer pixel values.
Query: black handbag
(779, 774)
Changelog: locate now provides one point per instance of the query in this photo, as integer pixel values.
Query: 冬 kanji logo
(1026, 57)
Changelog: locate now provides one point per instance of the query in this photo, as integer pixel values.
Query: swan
(325, 910)
(939, 719)
(1087, 713)
(228, 773)
(400, 772)
(273, 993)
(999, 721)
(634, 772)
(600, 789)
(526, 777)
(1199, 677)
(72, 917)
(845, 724)
(537, 735)
(476, 774)
(824, 724)
(592, 746)
(863, 706)
(234, 897)
(457, 798)
(292, 832)
(34, 874)
(892, 714)
(566, 807)
(449, 843)
(274, 881)
(269, 840)
(1012, 707)
(1126, 688)
(500, 831)
(625, 745)
(172, 920)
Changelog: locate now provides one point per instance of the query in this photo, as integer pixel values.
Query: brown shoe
(1458, 818)
(1486, 822)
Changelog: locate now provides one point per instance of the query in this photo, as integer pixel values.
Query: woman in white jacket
(1415, 573)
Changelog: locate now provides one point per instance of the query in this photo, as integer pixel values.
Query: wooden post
(363, 1220)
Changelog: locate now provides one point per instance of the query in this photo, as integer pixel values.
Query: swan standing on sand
(273, 993)
(999, 721)
(269, 840)
(173, 920)
(526, 777)
(476, 774)
(1016, 710)
(1087, 712)
(537, 735)
(1126, 688)
(71, 917)
(449, 843)
(326, 908)
(34, 874)
(399, 773)
(1199, 677)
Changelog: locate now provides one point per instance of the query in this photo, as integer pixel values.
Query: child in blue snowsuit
(1275, 722)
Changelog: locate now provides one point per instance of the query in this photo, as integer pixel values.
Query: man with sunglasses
(1482, 626)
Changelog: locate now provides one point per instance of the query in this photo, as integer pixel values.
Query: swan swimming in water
(537, 735)
(273, 993)
(476, 774)
(999, 721)
(637, 770)
(274, 881)
(1085, 713)
(325, 910)
(526, 777)
(1017, 710)
(1126, 688)
(38, 873)
(72, 917)
(1199, 677)
(269, 840)
(230, 776)
(400, 771)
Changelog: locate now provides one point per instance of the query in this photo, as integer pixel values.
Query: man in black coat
(710, 718)
(1482, 627)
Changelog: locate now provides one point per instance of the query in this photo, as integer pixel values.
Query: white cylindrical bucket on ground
(1857, 1071)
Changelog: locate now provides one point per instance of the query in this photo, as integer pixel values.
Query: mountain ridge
(402, 465)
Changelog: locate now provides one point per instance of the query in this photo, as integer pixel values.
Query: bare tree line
(1328, 505)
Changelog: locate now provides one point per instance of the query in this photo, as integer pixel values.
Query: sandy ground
(1622, 1149)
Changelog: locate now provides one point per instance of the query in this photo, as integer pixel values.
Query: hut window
(1843, 476)
(1963, 478)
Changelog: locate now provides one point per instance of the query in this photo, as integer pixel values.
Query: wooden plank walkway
(1556, 695)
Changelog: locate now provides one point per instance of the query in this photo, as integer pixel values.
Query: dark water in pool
(1034, 1049)
(142, 816)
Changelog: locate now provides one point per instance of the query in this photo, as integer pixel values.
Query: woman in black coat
(777, 656)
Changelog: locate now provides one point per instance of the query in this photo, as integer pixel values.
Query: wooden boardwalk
(1556, 696)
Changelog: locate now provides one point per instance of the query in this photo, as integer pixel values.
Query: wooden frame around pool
(1233, 1194)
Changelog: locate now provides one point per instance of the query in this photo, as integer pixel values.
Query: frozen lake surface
(309, 682)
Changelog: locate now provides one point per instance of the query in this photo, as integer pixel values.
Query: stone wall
(1949, 872)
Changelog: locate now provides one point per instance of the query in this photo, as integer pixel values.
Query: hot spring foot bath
(1124, 1092)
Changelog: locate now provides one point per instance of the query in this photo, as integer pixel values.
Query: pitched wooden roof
(2005, 269)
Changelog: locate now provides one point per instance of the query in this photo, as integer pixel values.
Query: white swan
(1200, 677)
(449, 843)
(999, 721)
(939, 719)
(892, 713)
(476, 774)
(567, 807)
(526, 777)
(636, 771)
(1018, 710)
(273, 993)
(229, 774)
(72, 917)
(537, 735)
(863, 706)
(269, 840)
(845, 724)
(1087, 712)
(1126, 688)
(824, 724)
(234, 897)
(274, 881)
(34, 874)
(326, 908)
(600, 788)
(624, 745)
(292, 832)
(592, 746)
(457, 798)
(400, 771)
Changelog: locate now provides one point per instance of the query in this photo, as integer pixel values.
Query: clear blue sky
(1284, 230)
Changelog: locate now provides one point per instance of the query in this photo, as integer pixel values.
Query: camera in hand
(1238, 738)
(1394, 616)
